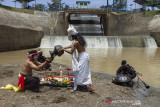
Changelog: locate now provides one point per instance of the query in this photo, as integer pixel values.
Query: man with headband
(26, 80)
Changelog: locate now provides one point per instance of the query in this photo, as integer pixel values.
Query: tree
(24, 4)
(1, 1)
(40, 7)
(109, 7)
(66, 7)
(120, 4)
(153, 3)
(56, 5)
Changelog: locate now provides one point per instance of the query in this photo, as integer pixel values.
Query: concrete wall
(27, 29)
(19, 30)
(129, 24)
(12, 38)
(53, 22)
(156, 36)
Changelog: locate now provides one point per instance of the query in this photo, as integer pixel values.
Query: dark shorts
(31, 83)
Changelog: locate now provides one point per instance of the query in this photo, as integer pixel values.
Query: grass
(152, 13)
(17, 9)
(147, 13)
(122, 13)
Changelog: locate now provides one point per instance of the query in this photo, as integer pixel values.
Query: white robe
(82, 74)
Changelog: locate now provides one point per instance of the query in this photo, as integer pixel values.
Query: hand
(121, 72)
(129, 75)
(61, 52)
(49, 60)
(61, 49)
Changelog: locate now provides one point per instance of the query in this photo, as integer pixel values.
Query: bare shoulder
(76, 43)
(28, 62)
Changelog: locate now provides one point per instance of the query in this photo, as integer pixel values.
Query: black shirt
(129, 70)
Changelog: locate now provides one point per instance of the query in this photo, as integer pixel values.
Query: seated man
(41, 59)
(26, 80)
(125, 74)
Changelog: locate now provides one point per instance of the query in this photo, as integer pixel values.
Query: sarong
(31, 82)
(83, 76)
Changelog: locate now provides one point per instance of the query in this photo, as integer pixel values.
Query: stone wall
(53, 22)
(129, 24)
(12, 38)
(19, 30)
(156, 36)
(20, 20)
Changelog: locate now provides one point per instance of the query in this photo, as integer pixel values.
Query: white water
(150, 42)
(92, 41)
(99, 41)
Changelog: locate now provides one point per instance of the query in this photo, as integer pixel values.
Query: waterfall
(87, 25)
(102, 41)
(138, 41)
(114, 41)
(92, 41)
(150, 42)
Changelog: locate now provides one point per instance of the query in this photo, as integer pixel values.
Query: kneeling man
(26, 80)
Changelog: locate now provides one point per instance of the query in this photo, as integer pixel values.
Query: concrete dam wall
(134, 25)
(12, 38)
(129, 24)
(20, 30)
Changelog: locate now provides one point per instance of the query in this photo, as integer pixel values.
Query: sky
(71, 3)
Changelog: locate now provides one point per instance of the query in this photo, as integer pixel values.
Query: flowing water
(145, 60)
(106, 52)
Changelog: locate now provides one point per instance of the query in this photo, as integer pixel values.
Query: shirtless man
(31, 82)
(80, 65)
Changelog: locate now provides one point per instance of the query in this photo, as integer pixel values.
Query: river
(144, 60)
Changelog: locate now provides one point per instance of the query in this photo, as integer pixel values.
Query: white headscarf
(71, 30)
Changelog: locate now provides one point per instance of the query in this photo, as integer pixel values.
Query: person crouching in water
(125, 74)
(27, 81)
(81, 65)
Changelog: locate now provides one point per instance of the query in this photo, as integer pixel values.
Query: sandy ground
(115, 95)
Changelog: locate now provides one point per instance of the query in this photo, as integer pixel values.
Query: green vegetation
(153, 3)
(40, 7)
(120, 4)
(17, 9)
(147, 13)
(122, 13)
(152, 13)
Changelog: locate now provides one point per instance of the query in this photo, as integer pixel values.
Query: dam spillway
(87, 25)
(102, 41)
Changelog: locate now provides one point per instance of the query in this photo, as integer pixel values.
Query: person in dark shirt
(125, 69)
(41, 59)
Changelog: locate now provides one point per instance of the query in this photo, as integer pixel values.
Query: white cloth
(75, 66)
(83, 76)
(71, 30)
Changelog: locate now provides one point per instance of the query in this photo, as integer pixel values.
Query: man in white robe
(81, 65)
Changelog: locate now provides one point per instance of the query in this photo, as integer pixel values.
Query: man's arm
(72, 49)
(119, 71)
(39, 67)
(66, 47)
(132, 73)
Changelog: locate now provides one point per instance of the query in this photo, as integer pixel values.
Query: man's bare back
(79, 47)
